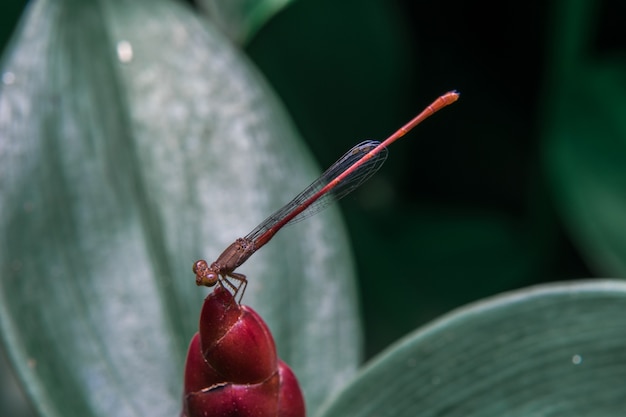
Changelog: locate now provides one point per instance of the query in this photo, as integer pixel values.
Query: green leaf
(134, 141)
(585, 148)
(547, 350)
(13, 402)
(585, 140)
(240, 20)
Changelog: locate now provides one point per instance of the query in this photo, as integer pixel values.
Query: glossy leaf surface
(557, 350)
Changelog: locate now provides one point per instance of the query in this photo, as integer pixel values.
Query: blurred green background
(520, 182)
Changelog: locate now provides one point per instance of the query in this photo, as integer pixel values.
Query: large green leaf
(135, 140)
(553, 350)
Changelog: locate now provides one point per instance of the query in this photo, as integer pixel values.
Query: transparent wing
(343, 188)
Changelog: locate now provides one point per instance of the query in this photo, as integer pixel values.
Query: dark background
(462, 209)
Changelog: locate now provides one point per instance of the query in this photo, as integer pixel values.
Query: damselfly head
(205, 276)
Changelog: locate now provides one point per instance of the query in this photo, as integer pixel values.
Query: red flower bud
(232, 368)
(235, 341)
(233, 400)
(198, 373)
(290, 400)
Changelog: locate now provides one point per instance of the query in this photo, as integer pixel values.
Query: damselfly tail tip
(453, 94)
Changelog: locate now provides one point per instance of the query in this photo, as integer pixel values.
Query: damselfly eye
(204, 275)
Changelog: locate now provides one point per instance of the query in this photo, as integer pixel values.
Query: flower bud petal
(290, 400)
(233, 400)
(219, 313)
(246, 353)
(198, 373)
